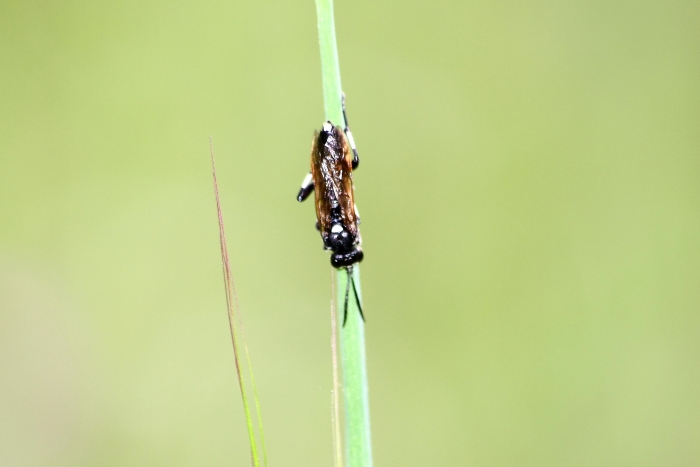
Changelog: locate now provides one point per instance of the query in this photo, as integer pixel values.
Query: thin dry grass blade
(231, 306)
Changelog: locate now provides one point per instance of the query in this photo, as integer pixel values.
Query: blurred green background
(530, 197)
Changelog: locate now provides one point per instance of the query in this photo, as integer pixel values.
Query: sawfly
(333, 159)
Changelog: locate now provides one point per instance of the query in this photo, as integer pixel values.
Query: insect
(333, 159)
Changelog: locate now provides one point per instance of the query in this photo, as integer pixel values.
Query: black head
(341, 260)
(340, 240)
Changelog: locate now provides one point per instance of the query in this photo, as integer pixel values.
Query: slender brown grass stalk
(233, 309)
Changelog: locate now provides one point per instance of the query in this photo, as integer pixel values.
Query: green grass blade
(256, 399)
(330, 67)
(358, 442)
(335, 393)
(358, 446)
(231, 306)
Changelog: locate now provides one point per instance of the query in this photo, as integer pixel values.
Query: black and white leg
(307, 187)
(348, 133)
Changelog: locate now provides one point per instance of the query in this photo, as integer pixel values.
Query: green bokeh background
(530, 197)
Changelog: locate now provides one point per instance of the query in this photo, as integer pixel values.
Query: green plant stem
(358, 444)
(330, 68)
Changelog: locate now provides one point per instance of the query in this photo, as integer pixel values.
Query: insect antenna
(347, 294)
(351, 280)
(357, 298)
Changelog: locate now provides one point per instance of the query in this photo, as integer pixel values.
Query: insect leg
(307, 186)
(348, 133)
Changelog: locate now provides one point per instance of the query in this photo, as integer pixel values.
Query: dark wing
(321, 188)
(331, 169)
(346, 196)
